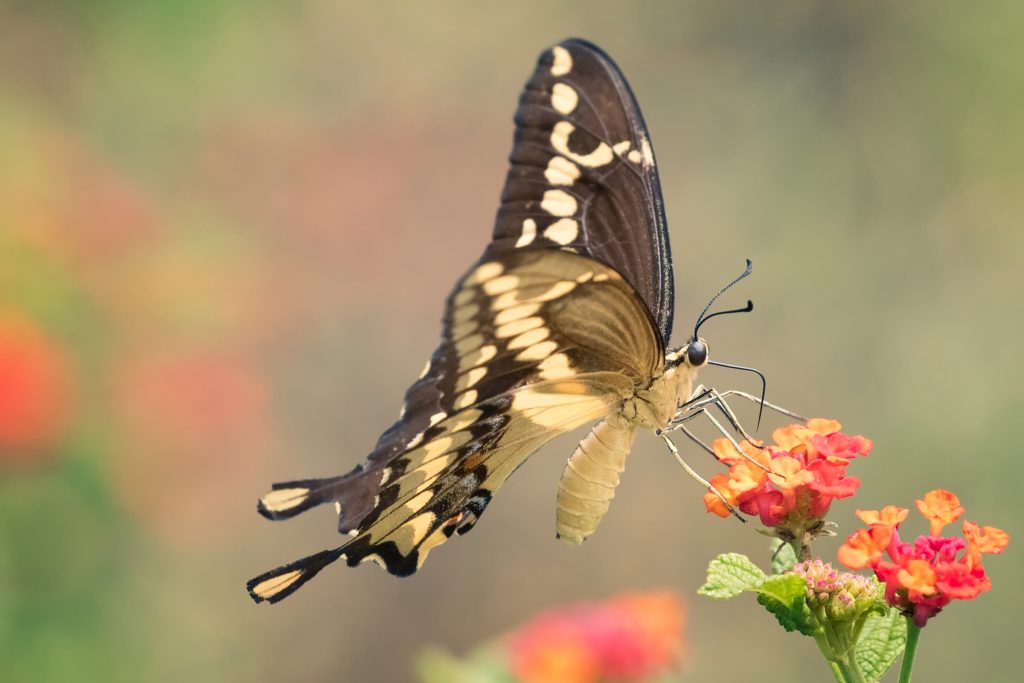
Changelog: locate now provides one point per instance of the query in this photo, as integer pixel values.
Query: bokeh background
(227, 227)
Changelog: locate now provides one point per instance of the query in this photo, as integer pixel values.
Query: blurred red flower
(924, 576)
(35, 391)
(791, 484)
(192, 425)
(628, 638)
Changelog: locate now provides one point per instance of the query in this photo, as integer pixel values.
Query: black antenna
(700, 318)
(746, 309)
(764, 383)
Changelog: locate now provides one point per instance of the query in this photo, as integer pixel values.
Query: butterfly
(564, 320)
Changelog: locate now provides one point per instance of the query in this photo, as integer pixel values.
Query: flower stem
(909, 651)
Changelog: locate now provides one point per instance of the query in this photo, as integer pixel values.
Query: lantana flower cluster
(791, 483)
(924, 576)
(632, 637)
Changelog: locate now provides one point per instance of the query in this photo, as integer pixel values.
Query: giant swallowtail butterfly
(564, 320)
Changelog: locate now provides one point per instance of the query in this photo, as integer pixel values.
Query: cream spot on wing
(500, 285)
(558, 203)
(648, 153)
(423, 475)
(375, 558)
(558, 290)
(601, 155)
(562, 63)
(515, 313)
(529, 338)
(538, 351)
(518, 327)
(467, 344)
(276, 584)
(467, 312)
(426, 369)
(337, 507)
(464, 296)
(529, 232)
(437, 447)
(553, 407)
(415, 441)
(563, 98)
(601, 277)
(562, 231)
(465, 400)
(555, 366)
(561, 171)
(432, 541)
(419, 501)
(437, 417)
(478, 357)
(420, 526)
(585, 277)
(470, 378)
(284, 499)
(385, 474)
(486, 271)
(635, 156)
(464, 419)
(621, 147)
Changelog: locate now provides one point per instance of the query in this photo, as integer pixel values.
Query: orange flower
(799, 476)
(918, 578)
(727, 453)
(864, 548)
(629, 638)
(940, 507)
(923, 577)
(890, 515)
(986, 539)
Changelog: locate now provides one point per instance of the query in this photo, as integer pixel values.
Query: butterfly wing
(543, 335)
(582, 175)
(534, 345)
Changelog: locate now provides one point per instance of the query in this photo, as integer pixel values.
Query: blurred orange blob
(629, 638)
(35, 391)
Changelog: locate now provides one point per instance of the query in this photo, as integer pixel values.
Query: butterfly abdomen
(591, 476)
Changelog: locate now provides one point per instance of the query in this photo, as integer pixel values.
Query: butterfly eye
(697, 353)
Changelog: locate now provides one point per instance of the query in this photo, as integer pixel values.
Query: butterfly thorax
(655, 406)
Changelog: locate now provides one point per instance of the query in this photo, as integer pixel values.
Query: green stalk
(909, 651)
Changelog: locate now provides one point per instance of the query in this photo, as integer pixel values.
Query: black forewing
(583, 174)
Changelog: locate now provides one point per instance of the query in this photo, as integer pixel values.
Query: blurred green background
(227, 227)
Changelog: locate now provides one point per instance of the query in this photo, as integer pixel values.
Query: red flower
(35, 391)
(629, 638)
(923, 577)
(789, 485)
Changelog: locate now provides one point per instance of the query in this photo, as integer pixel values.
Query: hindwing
(535, 344)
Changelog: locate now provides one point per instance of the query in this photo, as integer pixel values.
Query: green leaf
(881, 641)
(729, 575)
(783, 556)
(434, 665)
(785, 597)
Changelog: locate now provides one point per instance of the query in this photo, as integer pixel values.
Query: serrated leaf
(783, 556)
(881, 641)
(729, 575)
(785, 597)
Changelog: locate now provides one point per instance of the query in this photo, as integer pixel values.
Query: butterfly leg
(689, 470)
(701, 399)
(771, 406)
(710, 396)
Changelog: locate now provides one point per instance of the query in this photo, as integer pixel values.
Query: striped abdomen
(591, 476)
